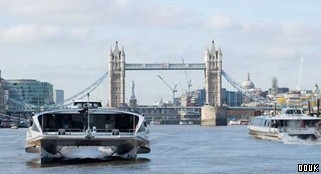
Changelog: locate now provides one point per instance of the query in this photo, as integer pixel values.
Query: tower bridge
(212, 114)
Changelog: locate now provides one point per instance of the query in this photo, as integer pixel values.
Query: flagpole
(88, 112)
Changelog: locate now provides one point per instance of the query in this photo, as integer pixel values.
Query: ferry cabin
(274, 122)
(78, 122)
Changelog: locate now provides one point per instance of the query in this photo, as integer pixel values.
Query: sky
(67, 42)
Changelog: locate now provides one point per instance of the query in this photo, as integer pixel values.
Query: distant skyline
(67, 43)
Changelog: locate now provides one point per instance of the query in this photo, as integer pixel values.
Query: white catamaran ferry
(111, 132)
(291, 122)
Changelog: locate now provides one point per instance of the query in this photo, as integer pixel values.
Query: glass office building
(13, 101)
(36, 94)
(60, 96)
(232, 98)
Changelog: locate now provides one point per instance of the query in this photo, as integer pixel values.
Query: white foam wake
(295, 140)
(86, 152)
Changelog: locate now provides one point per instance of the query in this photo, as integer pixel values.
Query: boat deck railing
(97, 132)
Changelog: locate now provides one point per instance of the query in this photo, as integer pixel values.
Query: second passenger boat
(291, 122)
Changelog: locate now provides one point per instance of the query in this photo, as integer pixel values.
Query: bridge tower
(116, 68)
(213, 113)
(213, 76)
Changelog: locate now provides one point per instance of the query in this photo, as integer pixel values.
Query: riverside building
(35, 94)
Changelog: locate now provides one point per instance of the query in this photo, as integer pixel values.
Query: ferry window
(257, 121)
(289, 112)
(126, 122)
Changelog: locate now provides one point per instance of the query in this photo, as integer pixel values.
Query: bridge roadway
(165, 66)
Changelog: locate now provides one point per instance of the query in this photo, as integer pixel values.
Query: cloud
(282, 53)
(98, 12)
(38, 33)
(27, 33)
(222, 22)
(262, 27)
(300, 34)
(169, 16)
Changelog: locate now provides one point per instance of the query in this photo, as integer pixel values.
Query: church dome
(248, 84)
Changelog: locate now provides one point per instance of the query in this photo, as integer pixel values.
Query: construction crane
(172, 89)
(300, 75)
(189, 81)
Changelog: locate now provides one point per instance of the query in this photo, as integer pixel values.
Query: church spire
(133, 100)
(133, 90)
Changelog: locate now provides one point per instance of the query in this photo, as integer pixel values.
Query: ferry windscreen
(79, 122)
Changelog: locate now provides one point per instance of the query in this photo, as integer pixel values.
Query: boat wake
(86, 152)
(295, 140)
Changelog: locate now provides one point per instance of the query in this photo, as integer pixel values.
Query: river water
(176, 149)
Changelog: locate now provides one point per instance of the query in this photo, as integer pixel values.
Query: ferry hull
(268, 135)
(59, 146)
(275, 134)
(113, 132)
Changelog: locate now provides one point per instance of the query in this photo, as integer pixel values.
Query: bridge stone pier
(213, 113)
(213, 116)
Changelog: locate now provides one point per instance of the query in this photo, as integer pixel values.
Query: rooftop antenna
(88, 111)
(88, 131)
(300, 75)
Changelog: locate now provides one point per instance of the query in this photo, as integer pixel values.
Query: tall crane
(300, 75)
(172, 89)
(189, 81)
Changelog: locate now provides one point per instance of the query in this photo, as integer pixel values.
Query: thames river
(176, 149)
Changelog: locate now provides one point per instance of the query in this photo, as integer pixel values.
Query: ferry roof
(83, 103)
(91, 111)
(289, 117)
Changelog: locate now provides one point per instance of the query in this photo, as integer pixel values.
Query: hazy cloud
(300, 34)
(38, 33)
(223, 23)
(282, 53)
(83, 13)
(27, 33)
